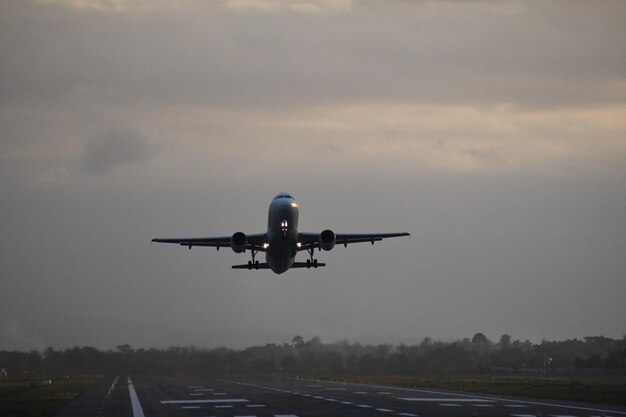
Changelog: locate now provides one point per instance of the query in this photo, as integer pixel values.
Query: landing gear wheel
(256, 264)
(314, 263)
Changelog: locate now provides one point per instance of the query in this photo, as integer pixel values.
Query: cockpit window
(283, 196)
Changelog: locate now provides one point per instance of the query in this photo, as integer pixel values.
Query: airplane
(282, 241)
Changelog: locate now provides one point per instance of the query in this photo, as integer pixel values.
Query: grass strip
(35, 399)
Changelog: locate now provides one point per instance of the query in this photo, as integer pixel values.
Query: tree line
(478, 355)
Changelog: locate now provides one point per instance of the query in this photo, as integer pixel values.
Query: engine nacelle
(238, 242)
(327, 239)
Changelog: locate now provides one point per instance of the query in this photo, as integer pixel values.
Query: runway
(267, 397)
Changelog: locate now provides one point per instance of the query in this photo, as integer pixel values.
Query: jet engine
(327, 239)
(238, 242)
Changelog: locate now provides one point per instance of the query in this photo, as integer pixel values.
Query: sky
(493, 132)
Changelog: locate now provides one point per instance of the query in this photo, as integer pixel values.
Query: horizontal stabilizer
(252, 266)
(305, 265)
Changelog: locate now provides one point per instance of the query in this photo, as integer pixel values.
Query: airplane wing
(254, 241)
(312, 240)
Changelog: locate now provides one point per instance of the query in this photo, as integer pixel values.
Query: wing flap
(253, 241)
(312, 240)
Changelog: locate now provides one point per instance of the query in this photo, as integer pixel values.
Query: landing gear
(253, 264)
(311, 262)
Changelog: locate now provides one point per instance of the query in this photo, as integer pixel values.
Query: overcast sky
(493, 132)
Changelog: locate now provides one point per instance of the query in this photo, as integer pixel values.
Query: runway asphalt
(266, 397)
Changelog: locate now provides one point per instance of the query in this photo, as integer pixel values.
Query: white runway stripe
(136, 405)
(449, 399)
(218, 401)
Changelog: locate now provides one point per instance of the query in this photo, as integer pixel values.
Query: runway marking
(219, 393)
(319, 398)
(361, 392)
(364, 406)
(256, 405)
(244, 416)
(185, 407)
(560, 415)
(384, 410)
(521, 415)
(384, 393)
(483, 405)
(515, 405)
(490, 399)
(347, 402)
(408, 414)
(204, 389)
(313, 386)
(331, 399)
(223, 406)
(456, 400)
(285, 415)
(449, 405)
(217, 401)
(137, 410)
(196, 394)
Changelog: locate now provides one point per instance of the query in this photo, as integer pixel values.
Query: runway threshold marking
(134, 400)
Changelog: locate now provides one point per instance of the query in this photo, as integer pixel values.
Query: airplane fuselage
(282, 233)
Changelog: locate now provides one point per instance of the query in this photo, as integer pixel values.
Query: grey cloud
(115, 147)
(547, 54)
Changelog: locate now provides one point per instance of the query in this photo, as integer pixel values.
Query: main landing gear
(253, 264)
(311, 262)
